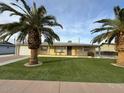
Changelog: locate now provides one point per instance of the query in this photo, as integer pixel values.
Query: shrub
(91, 54)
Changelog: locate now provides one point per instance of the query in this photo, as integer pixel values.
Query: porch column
(99, 51)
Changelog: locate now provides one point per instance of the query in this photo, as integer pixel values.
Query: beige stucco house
(60, 49)
(70, 49)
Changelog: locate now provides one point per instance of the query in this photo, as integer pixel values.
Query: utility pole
(79, 40)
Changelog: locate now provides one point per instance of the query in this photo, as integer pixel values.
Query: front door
(69, 50)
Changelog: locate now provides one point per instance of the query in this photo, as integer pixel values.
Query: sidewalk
(7, 59)
(22, 86)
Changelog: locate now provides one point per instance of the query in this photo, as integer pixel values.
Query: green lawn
(65, 69)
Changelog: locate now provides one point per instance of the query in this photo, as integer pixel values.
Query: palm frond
(42, 10)
(26, 6)
(116, 11)
(4, 7)
(121, 15)
(10, 26)
(100, 38)
(49, 40)
(108, 22)
(19, 7)
(103, 21)
(34, 9)
(51, 23)
(49, 18)
(101, 29)
(111, 38)
(51, 33)
(5, 36)
(22, 36)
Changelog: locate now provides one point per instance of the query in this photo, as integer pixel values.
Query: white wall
(108, 48)
(24, 50)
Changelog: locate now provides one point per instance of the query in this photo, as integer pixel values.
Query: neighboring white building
(7, 48)
(106, 50)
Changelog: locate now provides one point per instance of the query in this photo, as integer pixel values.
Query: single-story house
(7, 48)
(60, 49)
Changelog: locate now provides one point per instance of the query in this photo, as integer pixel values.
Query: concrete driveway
(7, 59)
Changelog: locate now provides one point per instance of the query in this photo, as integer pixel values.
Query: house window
(44, 48)
(59, 49)
(86, 49)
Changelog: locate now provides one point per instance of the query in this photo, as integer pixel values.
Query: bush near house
(91, 54)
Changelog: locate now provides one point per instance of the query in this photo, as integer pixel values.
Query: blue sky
(76, 16)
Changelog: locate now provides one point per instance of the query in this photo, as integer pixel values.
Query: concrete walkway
(21, 86)
(7, 59)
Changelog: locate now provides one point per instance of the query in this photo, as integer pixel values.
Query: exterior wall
(43, 52)
(52, 51)
(80, 51)
(83, 52)
(107, 48)
(23, 50)
(76, 51)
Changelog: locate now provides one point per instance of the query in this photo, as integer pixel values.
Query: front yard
(66, 69)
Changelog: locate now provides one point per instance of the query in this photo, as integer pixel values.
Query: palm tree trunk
(120, 58)
(120, 49)
(34, 57)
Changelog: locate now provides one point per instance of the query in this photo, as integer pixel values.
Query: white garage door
(24, 50)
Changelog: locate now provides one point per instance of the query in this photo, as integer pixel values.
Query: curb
(117, 65)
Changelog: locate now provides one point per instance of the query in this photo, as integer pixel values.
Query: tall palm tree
(112, 29)
(33, 22)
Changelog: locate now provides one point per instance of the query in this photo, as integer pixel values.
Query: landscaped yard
(65, 69)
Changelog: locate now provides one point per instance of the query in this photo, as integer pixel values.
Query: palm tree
(33, 22)
(112, 30)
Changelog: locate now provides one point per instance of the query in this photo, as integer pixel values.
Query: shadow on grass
(57, 60)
